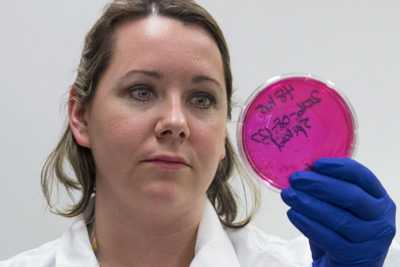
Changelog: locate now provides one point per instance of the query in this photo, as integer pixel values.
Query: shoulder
(41, 256)
(254, 247)
(71, 249)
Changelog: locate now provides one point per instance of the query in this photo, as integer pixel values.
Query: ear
(77, 122)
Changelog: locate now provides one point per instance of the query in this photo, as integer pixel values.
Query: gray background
(353, 43)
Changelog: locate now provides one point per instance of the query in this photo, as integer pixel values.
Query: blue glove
(344, 211)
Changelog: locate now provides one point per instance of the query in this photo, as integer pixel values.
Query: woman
(148, 144)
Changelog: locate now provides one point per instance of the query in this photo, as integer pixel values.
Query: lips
(168, 159)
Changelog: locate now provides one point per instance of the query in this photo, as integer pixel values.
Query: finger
(326, 239)
(350, 170)
(338, 249)
(316, 252)
(340, 193)
(339, 220)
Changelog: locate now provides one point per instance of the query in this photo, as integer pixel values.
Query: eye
(203, 100)
(141, 92)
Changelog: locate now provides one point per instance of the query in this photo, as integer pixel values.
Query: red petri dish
(291, 121)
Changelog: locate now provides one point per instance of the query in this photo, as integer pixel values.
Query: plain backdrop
(354, 43)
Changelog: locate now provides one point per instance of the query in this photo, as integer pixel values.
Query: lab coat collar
(213, 246)
(75, 248)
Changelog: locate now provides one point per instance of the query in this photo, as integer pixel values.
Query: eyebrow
(157, 75)
(150, 73)
(204, 78)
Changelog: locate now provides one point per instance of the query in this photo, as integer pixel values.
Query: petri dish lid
(291, 121)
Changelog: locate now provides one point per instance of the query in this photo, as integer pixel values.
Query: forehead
(165, 41)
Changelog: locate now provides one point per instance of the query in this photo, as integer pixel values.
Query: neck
(141, 236)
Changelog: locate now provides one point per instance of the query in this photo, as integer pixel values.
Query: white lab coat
(216, 246)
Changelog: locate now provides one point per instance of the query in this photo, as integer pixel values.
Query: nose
(173, 123)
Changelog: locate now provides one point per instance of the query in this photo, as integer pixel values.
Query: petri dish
(289, 122)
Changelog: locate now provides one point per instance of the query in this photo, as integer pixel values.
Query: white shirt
(216, 246)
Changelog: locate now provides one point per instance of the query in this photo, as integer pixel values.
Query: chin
(164, 194)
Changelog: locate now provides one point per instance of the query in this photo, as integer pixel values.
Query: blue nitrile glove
(344, 211)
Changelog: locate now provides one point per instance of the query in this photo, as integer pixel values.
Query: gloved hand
(344, 211)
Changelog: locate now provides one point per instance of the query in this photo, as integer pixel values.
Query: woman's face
(163, 95)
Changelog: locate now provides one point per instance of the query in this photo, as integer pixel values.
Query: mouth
(168, 159)
(168, 165)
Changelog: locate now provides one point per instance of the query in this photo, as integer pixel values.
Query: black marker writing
(268, 106)
(288, 126)
(283, 94)
(281, 133)
(308, 103)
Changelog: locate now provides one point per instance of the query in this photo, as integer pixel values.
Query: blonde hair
(95, 58)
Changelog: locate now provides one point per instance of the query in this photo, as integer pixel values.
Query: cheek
(115, 140)
(210, 142)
